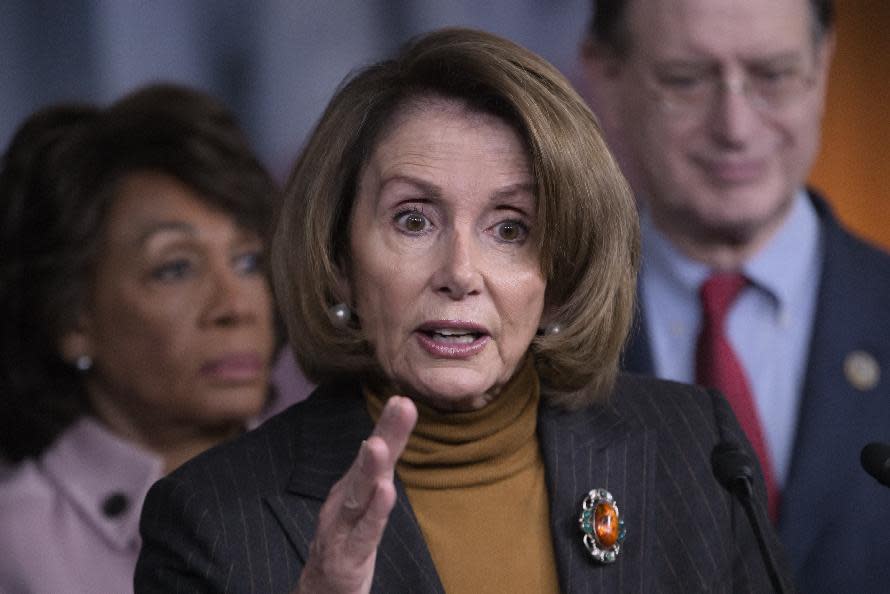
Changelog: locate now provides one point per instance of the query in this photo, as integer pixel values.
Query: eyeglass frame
(714, 82)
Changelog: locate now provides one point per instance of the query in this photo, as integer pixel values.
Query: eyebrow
(164, 227)
(435, 192)
(517, 188)
(703, 61)
(426, 187)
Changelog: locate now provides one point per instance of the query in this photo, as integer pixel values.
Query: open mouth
(453, 336)
(452, 340)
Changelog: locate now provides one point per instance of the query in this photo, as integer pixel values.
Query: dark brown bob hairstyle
(588, 240)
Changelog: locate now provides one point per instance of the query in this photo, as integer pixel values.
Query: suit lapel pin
(862, 370)
(602, 526)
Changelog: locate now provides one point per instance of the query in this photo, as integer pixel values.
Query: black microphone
(735, 471)
(875, 459)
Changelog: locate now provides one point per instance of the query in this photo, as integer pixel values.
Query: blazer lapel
(329, 441)
(596, 448)
(830, 466)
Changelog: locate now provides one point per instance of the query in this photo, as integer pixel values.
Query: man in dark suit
(249, 528)
(714, 107)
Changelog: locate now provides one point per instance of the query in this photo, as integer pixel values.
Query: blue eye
(412, 221)
(511, 231)
(173, 270)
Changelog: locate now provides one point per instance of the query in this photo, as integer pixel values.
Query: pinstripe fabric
(240, 517)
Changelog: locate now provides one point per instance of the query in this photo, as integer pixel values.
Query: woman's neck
(174, 443)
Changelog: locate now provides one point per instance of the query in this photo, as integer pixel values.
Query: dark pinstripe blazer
(240, 517)
(835, 519)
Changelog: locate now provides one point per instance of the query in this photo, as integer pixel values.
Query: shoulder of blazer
(207, 527)
(270, 451)
(855, 258)
(852, 309)
(661, 403)
(685, 415)
(688, 417)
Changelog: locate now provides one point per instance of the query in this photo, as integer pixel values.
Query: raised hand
(352, 519)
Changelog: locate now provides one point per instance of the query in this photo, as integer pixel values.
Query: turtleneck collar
(461, 449)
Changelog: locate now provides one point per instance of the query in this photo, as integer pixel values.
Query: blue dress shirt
(769, 325)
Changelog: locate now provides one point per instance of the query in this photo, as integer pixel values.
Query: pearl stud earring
(340, 315)
(552, 328)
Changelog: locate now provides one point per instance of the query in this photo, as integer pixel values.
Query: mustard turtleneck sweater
(475, 481)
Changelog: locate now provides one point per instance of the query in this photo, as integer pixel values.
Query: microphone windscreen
(731, 464)
(875, 459)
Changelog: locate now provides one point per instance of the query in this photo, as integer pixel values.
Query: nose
(734, 118)
(231, 298)
(458, 274)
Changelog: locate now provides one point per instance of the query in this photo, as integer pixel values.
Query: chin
(236, 403)
(453, 389)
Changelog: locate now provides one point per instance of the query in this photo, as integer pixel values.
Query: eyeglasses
(768, 88)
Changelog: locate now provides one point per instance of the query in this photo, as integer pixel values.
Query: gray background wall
(275, 62)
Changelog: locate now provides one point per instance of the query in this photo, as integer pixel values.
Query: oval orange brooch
(602, 526)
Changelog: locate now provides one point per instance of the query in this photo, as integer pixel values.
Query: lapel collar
(811, 487)
(591, 448)
(329, 440)
(331, 432)
(804, 494)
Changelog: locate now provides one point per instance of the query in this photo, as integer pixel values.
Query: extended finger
(395, 425)
(365, 537)
(360, 480)
(377, 457)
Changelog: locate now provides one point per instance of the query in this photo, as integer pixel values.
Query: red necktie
(717, 366)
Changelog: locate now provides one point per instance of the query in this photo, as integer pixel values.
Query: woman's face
(179, 320)
(444, 275)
